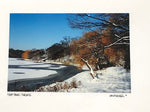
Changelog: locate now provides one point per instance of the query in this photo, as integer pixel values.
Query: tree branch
(114, 43)
(90, 68)
(109, 22)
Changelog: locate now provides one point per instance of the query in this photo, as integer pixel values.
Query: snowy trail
(57, 73)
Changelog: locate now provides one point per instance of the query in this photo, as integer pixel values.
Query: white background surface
(137, 101)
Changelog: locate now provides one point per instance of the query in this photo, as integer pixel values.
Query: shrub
(58, 87)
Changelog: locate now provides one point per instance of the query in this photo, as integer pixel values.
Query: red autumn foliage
(83, 48)
(25, 55)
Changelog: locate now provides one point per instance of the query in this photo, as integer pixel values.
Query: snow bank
(111, 80)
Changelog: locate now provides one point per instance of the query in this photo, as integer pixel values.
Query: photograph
(69, 52)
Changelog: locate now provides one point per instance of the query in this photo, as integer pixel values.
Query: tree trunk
(90, 68)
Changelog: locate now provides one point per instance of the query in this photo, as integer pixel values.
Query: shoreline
(30, 84)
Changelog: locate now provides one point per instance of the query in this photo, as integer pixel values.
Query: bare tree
(118, 22)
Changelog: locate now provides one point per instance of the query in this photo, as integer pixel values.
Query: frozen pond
(24, 69)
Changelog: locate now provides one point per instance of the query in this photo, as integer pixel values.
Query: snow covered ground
(111, 80)
(24, 69)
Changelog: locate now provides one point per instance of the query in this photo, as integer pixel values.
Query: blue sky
(40, 31)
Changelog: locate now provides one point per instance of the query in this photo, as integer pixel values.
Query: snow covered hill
(111, 80)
